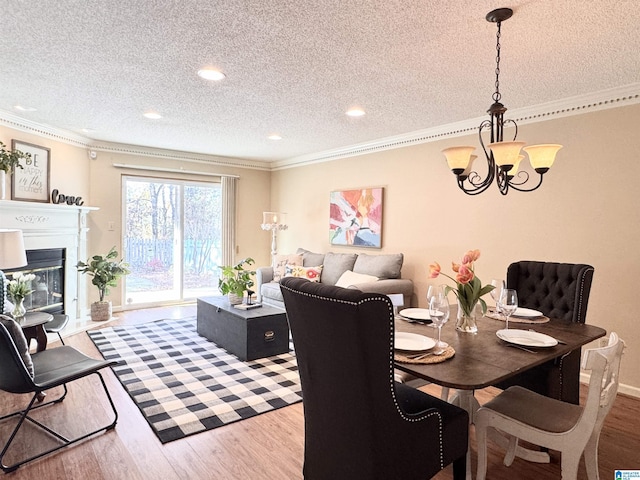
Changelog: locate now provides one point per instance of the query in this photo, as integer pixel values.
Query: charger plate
(402, 357)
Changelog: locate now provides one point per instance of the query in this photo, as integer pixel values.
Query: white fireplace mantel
(48, 225)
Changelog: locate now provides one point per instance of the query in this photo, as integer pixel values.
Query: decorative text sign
(31, 183)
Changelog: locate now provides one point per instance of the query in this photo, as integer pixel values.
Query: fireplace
(48, 266)
(48, 228)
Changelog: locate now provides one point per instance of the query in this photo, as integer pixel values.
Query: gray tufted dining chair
(560, 291)
(359, 423)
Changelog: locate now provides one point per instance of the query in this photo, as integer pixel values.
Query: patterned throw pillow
(16, 333)
(281, 262)
(310, 273)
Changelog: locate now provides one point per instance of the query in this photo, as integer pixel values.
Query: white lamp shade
(506, 153)
(543, 155)
(12, 253)
(274, 218)
(458, 158)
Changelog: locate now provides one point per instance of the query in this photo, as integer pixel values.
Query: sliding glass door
(172, 239)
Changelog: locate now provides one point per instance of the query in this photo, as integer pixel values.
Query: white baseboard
(622, 388)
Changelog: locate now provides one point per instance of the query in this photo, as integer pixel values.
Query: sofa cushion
(310, 273)
(381, 266)
(310, 259)
(335, 264)
(282, 261)
(349, 279)
(271, 291)
(19, 339)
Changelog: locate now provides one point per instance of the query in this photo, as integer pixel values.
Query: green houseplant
(106, 271)
(9, 161)
(234, 280)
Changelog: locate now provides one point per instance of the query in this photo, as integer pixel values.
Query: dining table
(482, 359)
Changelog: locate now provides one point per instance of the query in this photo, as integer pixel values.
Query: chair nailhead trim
(386, 300)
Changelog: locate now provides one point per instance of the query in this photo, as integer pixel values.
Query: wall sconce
(274, 221)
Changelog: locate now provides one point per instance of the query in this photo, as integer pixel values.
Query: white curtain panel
(229, 191)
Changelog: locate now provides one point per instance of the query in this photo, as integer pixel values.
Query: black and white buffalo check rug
(184, 384)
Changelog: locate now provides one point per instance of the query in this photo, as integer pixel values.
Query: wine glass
(508, 303)
(434, 290)
(439, 313)
(499, 285)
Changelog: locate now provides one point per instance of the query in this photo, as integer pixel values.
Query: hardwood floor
(269, 446)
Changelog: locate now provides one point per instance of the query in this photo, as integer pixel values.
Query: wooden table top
(482, 359)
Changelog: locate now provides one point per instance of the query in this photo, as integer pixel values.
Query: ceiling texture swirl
(293, 68)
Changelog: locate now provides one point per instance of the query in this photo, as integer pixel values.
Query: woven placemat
(403, 358)
(497, 316)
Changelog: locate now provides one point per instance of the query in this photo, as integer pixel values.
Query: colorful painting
(356, 217)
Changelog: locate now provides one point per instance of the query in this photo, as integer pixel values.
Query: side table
(33, 327)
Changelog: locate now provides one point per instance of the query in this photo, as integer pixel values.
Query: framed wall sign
(31, 183)
(356, 217)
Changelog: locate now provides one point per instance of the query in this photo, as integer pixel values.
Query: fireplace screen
(48, 287)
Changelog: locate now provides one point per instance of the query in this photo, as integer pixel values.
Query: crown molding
(53, 133)
(580, 104)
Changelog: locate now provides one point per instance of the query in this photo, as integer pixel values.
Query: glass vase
(18, 309)
(467, 321)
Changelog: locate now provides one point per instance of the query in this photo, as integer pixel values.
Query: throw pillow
(16, 333)
(382, 266)
(351, 279)
(310, 273)
(281, 262)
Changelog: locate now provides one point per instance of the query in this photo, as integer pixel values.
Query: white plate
(421, 314)
(412, 342)
(527, 313)
(526, 338)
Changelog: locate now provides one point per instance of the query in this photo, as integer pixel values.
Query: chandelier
(503, 158)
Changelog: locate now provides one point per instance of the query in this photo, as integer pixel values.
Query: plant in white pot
(105, 271)
(9, 161)
(234, 280)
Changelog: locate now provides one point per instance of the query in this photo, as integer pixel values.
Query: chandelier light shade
(503, 157)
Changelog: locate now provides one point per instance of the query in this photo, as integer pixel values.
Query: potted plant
(234, 280)
(9, 160)
(105, 271)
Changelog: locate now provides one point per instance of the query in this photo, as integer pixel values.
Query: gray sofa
(386, 267)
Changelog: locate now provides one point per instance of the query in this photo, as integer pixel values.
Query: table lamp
(12, 255)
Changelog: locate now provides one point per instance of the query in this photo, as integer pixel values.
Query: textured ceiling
(294, 67)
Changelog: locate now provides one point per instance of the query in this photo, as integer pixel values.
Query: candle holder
(274, 221)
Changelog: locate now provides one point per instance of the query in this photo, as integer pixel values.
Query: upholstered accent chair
(559, 291)
(359, 423)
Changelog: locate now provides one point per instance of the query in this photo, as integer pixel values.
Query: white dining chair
(547, 422)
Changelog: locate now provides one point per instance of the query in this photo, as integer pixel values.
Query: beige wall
(587, 211)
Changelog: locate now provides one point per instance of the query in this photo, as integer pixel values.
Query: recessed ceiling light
(355, 112)
(153, 115)
(275, 136)
(24, 109)
(88, 130)
(211, 74)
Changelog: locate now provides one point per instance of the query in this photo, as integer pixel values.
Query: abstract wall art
(355, 217)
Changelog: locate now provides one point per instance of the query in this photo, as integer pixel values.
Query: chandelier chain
(497, 95)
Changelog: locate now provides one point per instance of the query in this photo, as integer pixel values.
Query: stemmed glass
(508, 303)
(499, 285)
(439, 313)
